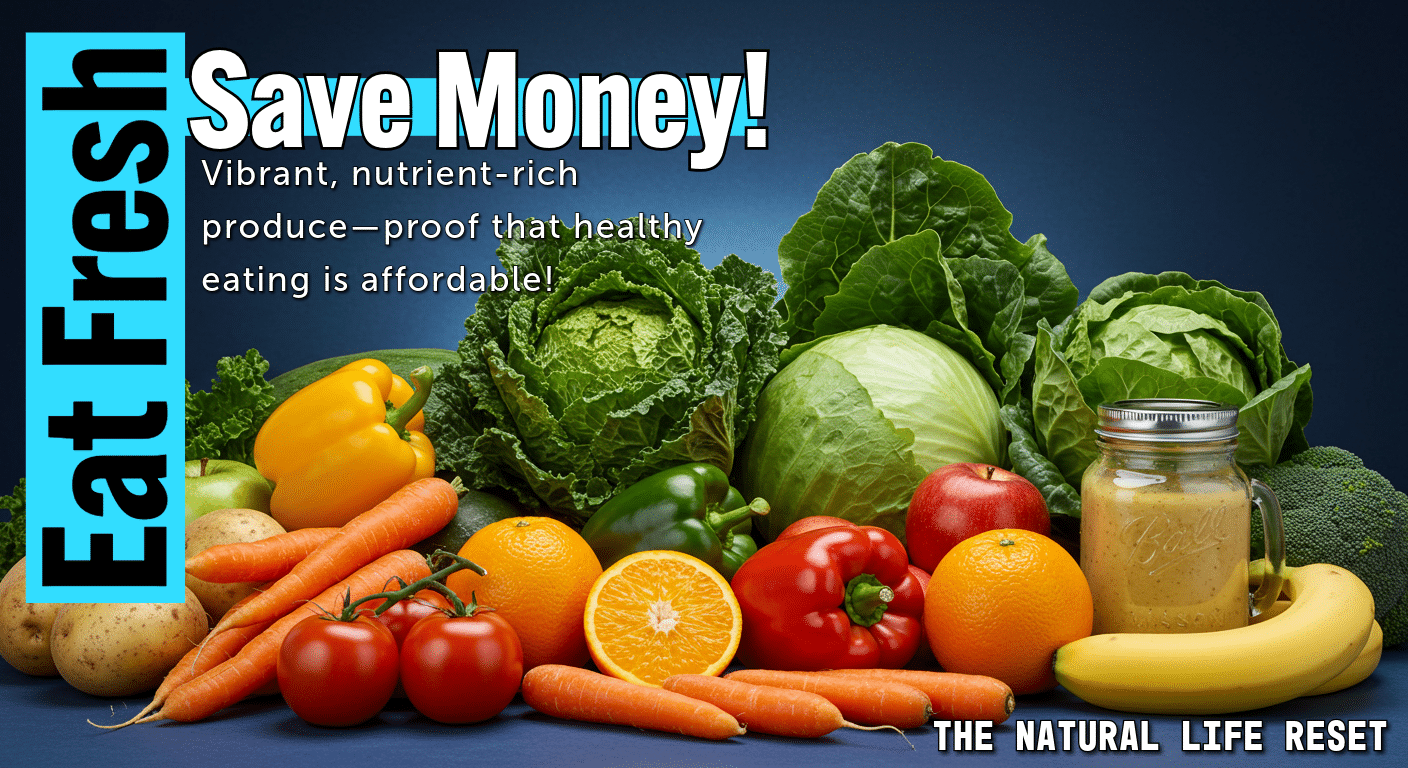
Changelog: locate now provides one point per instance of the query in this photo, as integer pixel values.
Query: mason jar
(1166, 520)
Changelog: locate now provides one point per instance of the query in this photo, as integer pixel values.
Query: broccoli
(1336, 510)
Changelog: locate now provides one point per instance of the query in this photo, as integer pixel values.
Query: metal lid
(1168, 420)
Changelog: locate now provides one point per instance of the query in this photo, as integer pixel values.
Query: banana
(1363, 665)
(1317, 637)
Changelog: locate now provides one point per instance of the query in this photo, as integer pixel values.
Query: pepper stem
(867, 599)
(723, 522)
(399, 416)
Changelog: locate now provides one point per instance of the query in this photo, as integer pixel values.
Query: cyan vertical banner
(105, 317)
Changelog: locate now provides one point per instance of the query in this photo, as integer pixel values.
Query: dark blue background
(1259, 144)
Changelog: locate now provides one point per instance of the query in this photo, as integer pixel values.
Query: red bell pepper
(833, 598)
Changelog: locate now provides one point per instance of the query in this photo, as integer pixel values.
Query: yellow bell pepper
(343, 444)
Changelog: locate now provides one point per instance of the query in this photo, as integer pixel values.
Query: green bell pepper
(690, 509)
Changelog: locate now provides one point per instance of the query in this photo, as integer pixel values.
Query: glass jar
(1166, 521)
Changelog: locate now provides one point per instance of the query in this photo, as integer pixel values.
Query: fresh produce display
(120, 649)
(961, 500)
(1009, 599)
(638, 360)
(909, 456)
(690, 508)
(25, 628)
(213, 484)
(656, 614)
(342, 444)
(579, 694)
(1323, 631)
(1165, 335)
(908, 404)
(539, 574)
(225, 527)
(878, 702)
(1335, 510)
(829, 598)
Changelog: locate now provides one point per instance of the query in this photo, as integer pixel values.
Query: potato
(25, 627)
(225, 526)
(120, 649)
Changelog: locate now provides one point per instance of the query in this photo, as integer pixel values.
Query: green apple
(213, 484)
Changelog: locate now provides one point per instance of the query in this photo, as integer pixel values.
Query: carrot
(263, 560)
(200, 658)
(765, 709)
(254, 666)
(578, 694)
(953, 696)
(876, 703)
(419, 509)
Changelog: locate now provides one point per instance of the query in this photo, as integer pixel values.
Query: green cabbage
(1166, 335)
(638, 359)
(854, 421)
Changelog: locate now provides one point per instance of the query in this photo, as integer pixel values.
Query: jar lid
(1168, 420)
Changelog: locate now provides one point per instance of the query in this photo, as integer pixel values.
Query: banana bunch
(1321, 642)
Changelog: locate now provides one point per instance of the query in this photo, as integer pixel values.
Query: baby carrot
(875, 703)
(263, 560)
(254, 666)
(578, 694)
(419, 509)
(953, 696)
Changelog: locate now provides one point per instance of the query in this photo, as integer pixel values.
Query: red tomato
(337, 673)
(462, 669)
(400, 617)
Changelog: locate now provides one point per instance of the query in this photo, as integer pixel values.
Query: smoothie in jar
(1165, 553)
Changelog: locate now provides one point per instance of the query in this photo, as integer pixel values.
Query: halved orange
(660, 613)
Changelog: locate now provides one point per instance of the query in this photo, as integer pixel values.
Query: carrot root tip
(849, 724)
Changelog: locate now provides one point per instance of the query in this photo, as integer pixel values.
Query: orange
(539, 573)
(1001, 603)
(660, 613)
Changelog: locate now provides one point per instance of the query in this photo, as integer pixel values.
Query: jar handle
(1275, 541)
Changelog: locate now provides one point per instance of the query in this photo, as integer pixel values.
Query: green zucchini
(400, 361)
(477, 509)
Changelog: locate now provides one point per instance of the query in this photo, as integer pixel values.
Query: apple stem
(203, 462)
(990, 470)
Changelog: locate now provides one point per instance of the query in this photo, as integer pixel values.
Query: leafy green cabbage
(639, 359)
(853, 423)
(854, 260)
(1165, 335)
(900, 238)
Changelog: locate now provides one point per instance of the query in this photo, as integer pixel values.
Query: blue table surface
(44, 722)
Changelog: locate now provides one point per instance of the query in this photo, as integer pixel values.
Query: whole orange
(539, 574)
(1000, 603)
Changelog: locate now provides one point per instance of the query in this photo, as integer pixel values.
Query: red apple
(962, 500)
